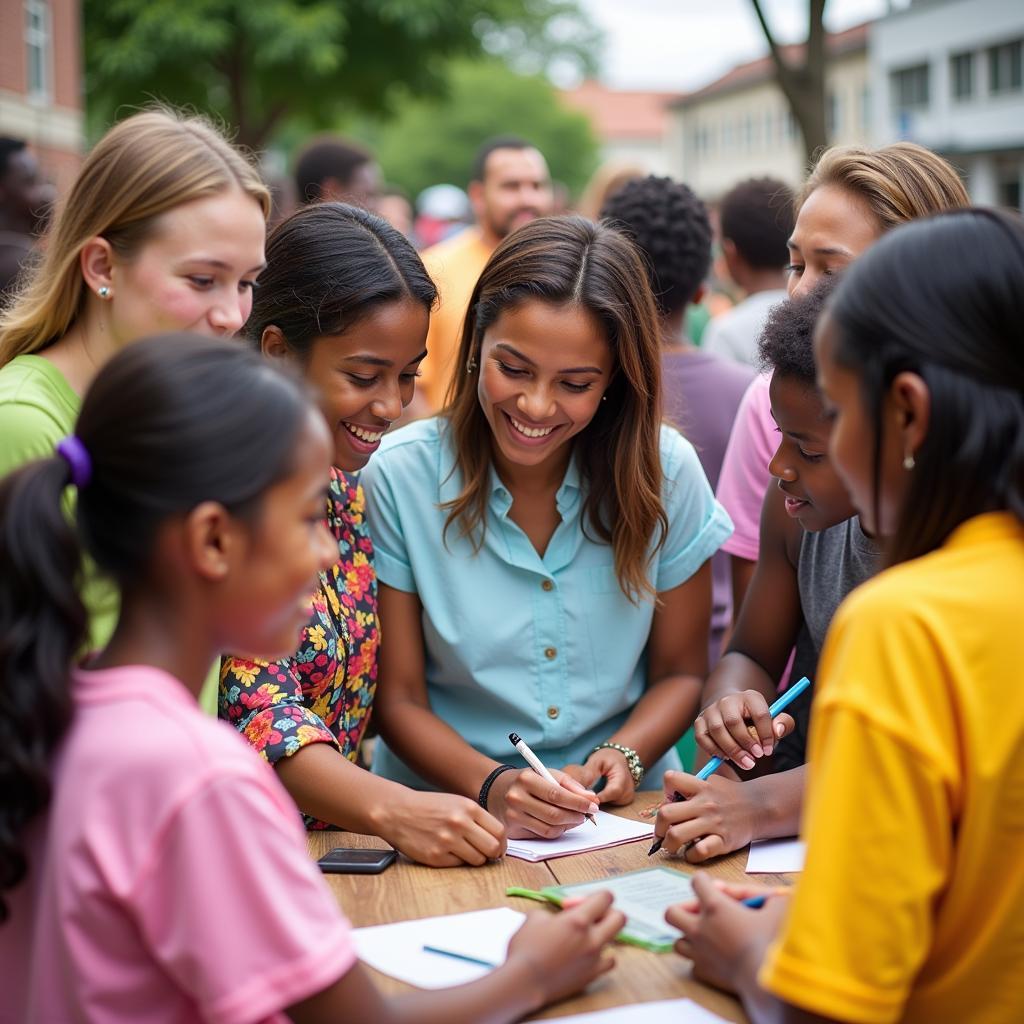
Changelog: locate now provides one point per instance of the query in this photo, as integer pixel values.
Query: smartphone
(349, 860)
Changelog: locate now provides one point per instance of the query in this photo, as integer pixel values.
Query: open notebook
(611, 831)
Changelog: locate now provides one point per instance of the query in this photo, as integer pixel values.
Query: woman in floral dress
(346, 301)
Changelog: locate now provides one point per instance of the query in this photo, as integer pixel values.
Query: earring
(103, 291)
(470, 364)
(604, 398)
(908, 462)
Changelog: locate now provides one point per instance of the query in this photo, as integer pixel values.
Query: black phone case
(388, 858)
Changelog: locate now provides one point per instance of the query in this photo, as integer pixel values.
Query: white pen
(537, 765)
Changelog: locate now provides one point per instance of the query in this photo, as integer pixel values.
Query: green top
(37, 409)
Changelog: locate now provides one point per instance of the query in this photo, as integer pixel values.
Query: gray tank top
(832, 562)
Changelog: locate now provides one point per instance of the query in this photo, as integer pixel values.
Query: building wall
(51, 121)
(982, 134)
(650, 154)
(721, 139)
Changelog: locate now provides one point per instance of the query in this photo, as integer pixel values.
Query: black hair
(757, 216)
(167, 423)
(8, 147)
(943, 298)
(328, 266)
(492, 144)
(786, 346)
(670, 226)
(327, 156)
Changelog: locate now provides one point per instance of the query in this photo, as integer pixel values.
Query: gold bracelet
(633, 762)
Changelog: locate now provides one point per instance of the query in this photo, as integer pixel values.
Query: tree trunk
(803, 85)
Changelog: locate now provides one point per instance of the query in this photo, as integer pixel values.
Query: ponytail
(42, 625)
(167, 424)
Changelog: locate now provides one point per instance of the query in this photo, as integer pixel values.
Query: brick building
(41, 82)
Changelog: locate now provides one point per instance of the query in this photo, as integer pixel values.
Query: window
(961, 75)
(1004, 67)
(910, 88)
(37, 48)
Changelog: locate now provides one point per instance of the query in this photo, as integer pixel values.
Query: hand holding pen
(538, 801)
(791, 694)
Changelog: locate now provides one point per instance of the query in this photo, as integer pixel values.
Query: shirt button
(549, 652)
(552, 711)
(547, 585)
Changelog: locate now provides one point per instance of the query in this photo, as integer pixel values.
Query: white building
(740, 126)
(949, 74)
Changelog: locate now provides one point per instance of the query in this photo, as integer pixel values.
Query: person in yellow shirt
(510, 187)
(911, 904)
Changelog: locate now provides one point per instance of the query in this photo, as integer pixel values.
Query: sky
(679, 45)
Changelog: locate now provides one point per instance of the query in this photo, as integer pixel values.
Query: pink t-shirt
(745, 478)
(169, 880)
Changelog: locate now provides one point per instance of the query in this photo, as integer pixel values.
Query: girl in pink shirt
(136, 834)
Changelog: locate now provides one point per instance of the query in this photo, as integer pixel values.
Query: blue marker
(715, 763)
(781, 704)
(458, 956)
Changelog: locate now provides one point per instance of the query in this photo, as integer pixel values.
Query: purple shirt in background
(702, 392)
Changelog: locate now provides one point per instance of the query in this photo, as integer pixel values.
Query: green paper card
(643, 896)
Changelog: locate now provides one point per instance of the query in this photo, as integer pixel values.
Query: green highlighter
(643, 896)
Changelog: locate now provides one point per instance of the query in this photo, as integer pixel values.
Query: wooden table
(408, 890)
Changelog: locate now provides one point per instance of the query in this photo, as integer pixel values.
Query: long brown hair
(572, 261)
(144, 166)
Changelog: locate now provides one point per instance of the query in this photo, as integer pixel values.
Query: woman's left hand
(619, 788)
(725, 940)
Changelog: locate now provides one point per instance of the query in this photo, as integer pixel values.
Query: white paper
(775, 856)
(664, 1011)
(611, 831)
(397, 949)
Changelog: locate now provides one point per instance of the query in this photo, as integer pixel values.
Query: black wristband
(485, 789)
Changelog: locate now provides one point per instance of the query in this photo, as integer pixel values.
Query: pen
(458, 956)
(536, 764)
(715, 763)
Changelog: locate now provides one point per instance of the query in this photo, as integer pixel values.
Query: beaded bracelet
(633, 762)
(485, 789)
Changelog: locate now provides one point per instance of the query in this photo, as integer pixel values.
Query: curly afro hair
(670, 226)
(787, 339)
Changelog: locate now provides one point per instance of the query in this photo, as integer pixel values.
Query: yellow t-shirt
(455, 265)
(911, 904)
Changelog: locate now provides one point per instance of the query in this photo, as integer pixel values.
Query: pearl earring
(908, 462)
(103, 291)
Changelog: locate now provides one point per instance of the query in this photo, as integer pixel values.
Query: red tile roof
(621, 114)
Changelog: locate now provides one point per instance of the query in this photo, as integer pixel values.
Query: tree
(258, 63)
(803, 83)
(434, 140)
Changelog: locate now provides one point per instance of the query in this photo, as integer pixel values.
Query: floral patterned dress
(324, 692)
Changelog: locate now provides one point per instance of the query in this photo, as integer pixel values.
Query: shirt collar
(499, 499)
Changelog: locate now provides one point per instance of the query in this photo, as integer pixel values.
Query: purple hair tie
(73, 452)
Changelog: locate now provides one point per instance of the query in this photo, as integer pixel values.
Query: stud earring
(103, 291)
(908, 462)
(604, 398)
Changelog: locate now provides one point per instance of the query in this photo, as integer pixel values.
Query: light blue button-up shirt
(545, 646)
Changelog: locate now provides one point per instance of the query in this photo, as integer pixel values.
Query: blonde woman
(163, 230)
(851, 198)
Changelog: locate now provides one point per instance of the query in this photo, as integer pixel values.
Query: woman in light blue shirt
(543, 546)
